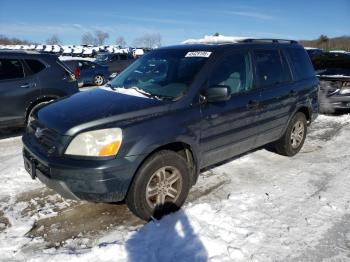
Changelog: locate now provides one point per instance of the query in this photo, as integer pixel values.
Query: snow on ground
(259, 207)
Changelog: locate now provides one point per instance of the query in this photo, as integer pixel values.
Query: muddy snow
(259, 207)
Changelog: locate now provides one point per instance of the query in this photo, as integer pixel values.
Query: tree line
(152, 40)
(96, 38)
(327, 43)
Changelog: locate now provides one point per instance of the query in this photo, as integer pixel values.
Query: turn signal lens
(110, 149)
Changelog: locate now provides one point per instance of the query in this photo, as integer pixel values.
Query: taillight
(77, 72)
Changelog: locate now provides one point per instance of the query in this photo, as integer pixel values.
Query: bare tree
(4, 40)
(100, 37)
(340, 42)
(323, 39)
(150, 40)
(87, 39)
(53, 40)
(120, 41)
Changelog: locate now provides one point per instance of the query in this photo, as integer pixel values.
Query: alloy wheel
(297, 134)
(164, 186)
(99, 80)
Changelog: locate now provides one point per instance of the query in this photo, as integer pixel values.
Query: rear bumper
(335, 102)
(91, 180)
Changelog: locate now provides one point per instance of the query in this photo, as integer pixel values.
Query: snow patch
(220, 39)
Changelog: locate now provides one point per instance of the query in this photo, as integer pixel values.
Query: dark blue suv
(172, 113)
(29, 79)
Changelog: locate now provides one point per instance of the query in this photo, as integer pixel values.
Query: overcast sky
(174, 20)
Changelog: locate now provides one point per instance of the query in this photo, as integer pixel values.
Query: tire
(293, 139)
(99, 80)
(163, 164)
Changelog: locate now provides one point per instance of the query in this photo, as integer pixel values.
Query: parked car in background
(92, 73)
(77, 51)
(312, 51)
(115, 62)
(73, 66)
(88, 72)
(333, 70)
(29, 79)
(67, 51)
(174, 112)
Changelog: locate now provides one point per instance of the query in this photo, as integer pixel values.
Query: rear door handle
(253, 105)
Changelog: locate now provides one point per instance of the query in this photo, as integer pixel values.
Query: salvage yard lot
(259, 207)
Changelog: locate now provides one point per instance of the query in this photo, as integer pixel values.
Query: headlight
(103, 142)
(344, 91)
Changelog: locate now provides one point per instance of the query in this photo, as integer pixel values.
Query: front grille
(45, 138)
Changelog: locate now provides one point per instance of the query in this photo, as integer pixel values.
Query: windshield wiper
(145, 93)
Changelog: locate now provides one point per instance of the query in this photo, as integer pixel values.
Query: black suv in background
(28, 79)
(333, 70)
(174, 112)
(115, 62)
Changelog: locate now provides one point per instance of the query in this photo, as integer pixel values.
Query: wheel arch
(306, 111)
(38, 101)
(182, 148)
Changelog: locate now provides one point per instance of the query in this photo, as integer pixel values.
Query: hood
(96, 107)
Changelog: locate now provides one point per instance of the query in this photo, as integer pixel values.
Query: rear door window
(302, 67)
(35, 65)
(11, 69)
(271, 68)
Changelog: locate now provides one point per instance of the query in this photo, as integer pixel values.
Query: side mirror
(217, 93)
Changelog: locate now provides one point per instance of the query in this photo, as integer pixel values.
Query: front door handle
(28, 85)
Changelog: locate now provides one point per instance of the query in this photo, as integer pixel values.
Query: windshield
(102, 57)
(161, 73)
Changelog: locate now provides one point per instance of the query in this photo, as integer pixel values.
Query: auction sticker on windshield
(198, 54)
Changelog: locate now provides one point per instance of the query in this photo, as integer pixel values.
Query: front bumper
(91, 180)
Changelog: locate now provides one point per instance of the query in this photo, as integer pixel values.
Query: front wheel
(293, 139)
(160, 186)
(99, 80)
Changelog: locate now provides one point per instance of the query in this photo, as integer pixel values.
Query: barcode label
(198, 54)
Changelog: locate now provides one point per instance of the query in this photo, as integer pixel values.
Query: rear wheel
(99, 80)
(160, 186)
(293, 139)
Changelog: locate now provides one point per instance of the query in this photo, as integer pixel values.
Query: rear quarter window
(10, 69)
(35, 65)
(301, 63)
(271, 68)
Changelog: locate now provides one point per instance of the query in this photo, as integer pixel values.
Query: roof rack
(269, 40)
(221, 39)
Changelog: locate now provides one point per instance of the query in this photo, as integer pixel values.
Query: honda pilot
(174, 112)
